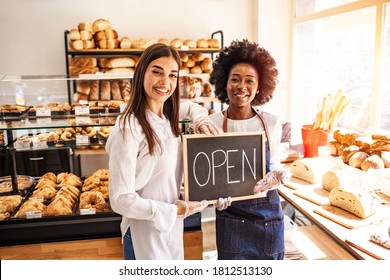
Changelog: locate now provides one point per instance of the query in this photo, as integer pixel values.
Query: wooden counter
(353, 240)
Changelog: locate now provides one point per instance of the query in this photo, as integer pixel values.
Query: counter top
(309, 199)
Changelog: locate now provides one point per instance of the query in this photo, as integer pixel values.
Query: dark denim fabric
(251, 229)
(128, 250)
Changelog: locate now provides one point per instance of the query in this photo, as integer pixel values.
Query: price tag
(44, 121)
(39, 145)
(82, 140)
(122, 107)
(89, 211)
(184, 48)
(83, 102)
(81, 110)
(40, 199)
(33, 214)
(43, 112)
(83, 120)
(22, 145)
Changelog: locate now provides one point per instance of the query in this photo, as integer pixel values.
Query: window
(340, 49)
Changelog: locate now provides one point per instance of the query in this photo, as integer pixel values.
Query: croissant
(47, 192)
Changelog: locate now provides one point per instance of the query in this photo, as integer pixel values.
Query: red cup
(312, 139)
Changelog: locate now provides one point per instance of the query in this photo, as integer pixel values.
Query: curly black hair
(245, 52)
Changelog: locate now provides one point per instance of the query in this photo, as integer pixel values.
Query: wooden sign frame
(225, 165)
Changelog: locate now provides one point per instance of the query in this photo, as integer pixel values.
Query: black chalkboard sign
(226, 165)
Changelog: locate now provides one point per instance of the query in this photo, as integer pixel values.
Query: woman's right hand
(188, 208)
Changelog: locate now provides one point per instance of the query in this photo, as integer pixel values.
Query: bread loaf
(381, 135)
(74, 34)
(190, 43)
(125, 43)
(385, 156)
(88, 44)
(177, 43)
(333, 147)
(360, 202)
(112, 43)
(85, 35)
(310, 169)
(82, 70)
(83, 87)
(81, 61)
(196, 70)
(345, 136)
(164, 41)
(105, 90)
(380, 145)
(101, 24)
(337, 178)
(125, 88)
(373, 162)
(213, 43)
(206, 64)
(202, 44)
(94, 90)
(183, 57)
(189, 63)
(120, 62)
(348, 152)
(357, 159)
(115, 90)
(364, 142)
(111, 34)
(100, 35)
(76, 45)
(140, 43)
(87, 26)
(127, 70)
(197, 57)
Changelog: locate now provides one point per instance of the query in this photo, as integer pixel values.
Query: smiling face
(242, 85)
(160, 82)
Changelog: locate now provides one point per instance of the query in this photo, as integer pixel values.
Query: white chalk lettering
(193, 169)
(213, 162)
(223, 161)
(253, 169)
(230, 166)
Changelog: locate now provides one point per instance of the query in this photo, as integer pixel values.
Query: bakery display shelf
(62, 121)
(111, 52)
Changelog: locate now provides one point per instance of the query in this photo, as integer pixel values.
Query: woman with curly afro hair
(244, 77)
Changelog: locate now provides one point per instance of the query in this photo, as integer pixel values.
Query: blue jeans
(251, 229)
(128, 250)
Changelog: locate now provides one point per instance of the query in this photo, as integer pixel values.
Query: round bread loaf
(363, 142)
(125, 43)
(196, 70)
(348, 152)
(337, 178)
(177, 43)
(140, 43)
(85, 35)
(164, 41)
(190, 43)
(357, 159)
(197, 57)
(373, 162)
(74, 34)
(206, 64)
(189, 63)
(183, 57)
(202, 44)
(101, 24)
(213, 43)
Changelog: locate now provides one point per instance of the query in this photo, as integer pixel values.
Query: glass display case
(46, 123)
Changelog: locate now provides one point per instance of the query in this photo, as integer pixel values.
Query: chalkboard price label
(221, 166)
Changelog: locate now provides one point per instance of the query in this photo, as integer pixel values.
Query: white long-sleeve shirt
(144, 187)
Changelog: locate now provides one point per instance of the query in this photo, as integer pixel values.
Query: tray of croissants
(57, 195)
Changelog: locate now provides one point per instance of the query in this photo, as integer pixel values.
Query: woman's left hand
(207, 126)
(271, 180)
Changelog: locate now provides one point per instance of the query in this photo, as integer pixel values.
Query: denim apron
(252, 229)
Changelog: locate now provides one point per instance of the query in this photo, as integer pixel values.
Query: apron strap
(261, 118)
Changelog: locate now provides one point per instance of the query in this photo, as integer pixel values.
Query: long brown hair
(138, 103)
